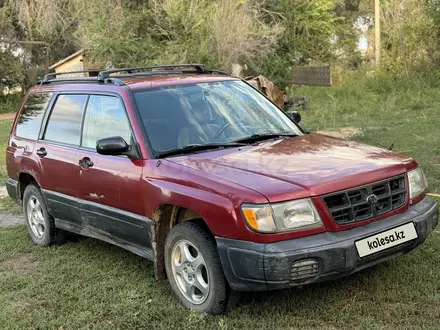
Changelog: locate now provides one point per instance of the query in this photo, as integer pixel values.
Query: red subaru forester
(202, 174)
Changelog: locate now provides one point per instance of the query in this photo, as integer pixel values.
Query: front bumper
(250, 266)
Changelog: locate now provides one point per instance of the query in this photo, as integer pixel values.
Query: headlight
(296, 214)
(286, 216)
(417, 182)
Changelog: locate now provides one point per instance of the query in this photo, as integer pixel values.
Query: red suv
(202, 174)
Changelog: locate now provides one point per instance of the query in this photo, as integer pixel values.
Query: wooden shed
(75, 62)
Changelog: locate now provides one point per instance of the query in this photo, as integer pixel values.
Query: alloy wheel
(190, 272)
(35, 216)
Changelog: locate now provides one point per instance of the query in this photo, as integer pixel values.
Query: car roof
(173, 79)
(133, 83)
(131, 78)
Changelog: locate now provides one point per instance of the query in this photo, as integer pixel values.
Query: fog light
(304, 270)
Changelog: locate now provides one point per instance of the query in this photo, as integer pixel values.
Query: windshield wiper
(198, 147)
(261, 137)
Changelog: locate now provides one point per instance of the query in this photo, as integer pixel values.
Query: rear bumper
(252, 266)
(12, 188)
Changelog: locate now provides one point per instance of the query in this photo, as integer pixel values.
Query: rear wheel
(194, 270)
(39, 222)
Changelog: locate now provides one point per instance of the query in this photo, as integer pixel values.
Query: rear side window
(31, 116)
(64, 124)
(105, 117)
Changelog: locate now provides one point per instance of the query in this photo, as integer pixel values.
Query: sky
(363, 43)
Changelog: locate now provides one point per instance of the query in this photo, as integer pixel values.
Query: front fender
(218, 212)
(217, 202)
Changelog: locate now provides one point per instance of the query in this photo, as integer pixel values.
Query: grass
(405, 112)
(5, 127)
(89, 284)
(9, 103)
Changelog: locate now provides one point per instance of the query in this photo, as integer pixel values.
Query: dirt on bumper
(252, 266)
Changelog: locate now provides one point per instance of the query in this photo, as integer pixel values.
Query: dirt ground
(343, 132)
(20, 264)
(3, 192)
(7, 116)
(10, 219)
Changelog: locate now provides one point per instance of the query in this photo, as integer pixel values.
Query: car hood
(302, 166)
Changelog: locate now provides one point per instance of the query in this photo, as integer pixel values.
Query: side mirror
(114, 146)
(294, 116)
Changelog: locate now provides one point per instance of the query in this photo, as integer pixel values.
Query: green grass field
(5, 127)
(92, 285)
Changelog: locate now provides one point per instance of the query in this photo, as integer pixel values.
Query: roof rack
(106, 76)
(199, 68)
(53, 75)
(114, 81)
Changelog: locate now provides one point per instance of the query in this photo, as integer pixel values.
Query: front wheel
(194, 270)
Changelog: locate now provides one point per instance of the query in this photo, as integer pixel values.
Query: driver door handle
(42, 152)
(85, 162)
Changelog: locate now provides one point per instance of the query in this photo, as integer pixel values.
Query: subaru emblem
(372, 199)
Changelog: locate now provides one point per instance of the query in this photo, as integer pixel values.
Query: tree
(45, 21)
(12, 71)
(407, 37)
(113, 31)
(348, 33)
(310, 29)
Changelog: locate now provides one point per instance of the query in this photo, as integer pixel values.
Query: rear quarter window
(31, 116)
(64, 124)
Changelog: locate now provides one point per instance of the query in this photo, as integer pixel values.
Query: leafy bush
(216, 33)
(11, 70)
(10, 103)
(263, 36)
(307, 38)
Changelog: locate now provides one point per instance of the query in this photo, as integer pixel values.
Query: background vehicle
(199, 172)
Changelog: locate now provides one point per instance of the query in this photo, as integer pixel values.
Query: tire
(192, 237)
(39, 222)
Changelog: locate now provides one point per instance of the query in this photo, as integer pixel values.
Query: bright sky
(363, 43)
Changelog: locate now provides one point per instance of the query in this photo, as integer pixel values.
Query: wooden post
(46, 60)
(377, 30)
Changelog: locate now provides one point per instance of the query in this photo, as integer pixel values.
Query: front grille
(366, 202)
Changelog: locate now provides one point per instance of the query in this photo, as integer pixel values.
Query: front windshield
(207, 113)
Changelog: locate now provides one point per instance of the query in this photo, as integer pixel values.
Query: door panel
(111, 197)
(56, 152)
(63, 207)
(58, 170)
(111, 186)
